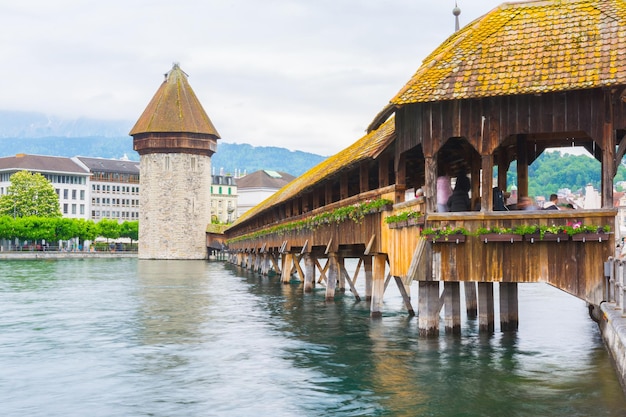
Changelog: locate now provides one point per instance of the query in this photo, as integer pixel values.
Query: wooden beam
(344, 272)
(368, 248)
(405, 295)
(322, 270)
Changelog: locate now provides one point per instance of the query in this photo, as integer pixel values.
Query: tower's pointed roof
(175, 109)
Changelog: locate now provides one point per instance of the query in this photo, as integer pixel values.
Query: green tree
(30, 194)
(7, 227)
(130, 229)
(109, 229)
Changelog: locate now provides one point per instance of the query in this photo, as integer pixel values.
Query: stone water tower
(175, 140)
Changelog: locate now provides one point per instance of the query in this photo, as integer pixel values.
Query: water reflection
(166, 338)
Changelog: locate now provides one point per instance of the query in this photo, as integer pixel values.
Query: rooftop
(526, 48)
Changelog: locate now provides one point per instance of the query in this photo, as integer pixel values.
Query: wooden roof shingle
(526, 48)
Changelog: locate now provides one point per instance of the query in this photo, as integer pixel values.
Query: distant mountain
(36, 133)
(15, 124)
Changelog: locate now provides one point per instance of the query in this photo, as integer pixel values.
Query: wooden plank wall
(486, 122)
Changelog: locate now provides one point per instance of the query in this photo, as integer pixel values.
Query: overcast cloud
(306, 75)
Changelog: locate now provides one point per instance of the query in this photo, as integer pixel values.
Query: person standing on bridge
(551, 205)
(459, 200)
(444, 191)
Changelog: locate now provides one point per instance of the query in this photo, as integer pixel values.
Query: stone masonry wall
(175, 191)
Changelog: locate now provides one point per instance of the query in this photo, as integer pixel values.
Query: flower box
(413, 221)
(447, 239)
(500, 237)
(591, 237)
(547, 237)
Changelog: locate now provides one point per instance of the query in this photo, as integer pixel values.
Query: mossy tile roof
(368, 147)
(526, 48)
(174, 109)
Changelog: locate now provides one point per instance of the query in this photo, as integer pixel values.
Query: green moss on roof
(368, 147)
(175, 108)
(527, 48)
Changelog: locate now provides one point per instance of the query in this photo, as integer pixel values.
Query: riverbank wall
(64, 255)
(613, 329)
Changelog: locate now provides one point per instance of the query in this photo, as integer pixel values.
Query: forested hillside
(552, 171)
(549, 173)
(230, 157)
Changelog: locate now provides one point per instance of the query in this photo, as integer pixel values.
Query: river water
(123, 337)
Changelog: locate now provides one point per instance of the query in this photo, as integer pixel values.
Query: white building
(257, 186)
(223, 198)
(70, 180)
(114, 188)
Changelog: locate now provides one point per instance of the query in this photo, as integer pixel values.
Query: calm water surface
(189, 338)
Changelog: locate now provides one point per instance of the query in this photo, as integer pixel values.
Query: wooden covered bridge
(523, 78)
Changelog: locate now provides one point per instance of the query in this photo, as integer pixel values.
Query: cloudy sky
(306, 75)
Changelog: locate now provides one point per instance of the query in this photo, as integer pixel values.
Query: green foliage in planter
(403, 216)
(355, 212)
(434, 233)
(493, 229)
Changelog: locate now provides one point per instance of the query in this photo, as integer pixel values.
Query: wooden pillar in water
(471, 305)
(309, 273)
(378, 286)
(286, 269)
(342, 280)
(266, 264)
(486, 315)
(367, 267)
(452, 307)
(428, 308)
(332, 276)
(509, 314)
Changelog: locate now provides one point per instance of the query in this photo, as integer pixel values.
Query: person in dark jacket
(459, 200)
(551, 205)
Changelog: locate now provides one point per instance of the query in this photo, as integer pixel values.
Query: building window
(82, 194)
(65, 208)
(73, 194)
(65, 194)
(73, 208)
(82, 209)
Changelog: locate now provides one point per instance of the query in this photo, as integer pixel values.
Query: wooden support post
(287, 265)
(333, 275)
(378, 285)
(266, 264)
(405, 295)
(509, 315)
(341, 281)
(487, 183)
(367, 267)
(485, 307)
(430, 188)
(309, 273)
(428, 308)
(522, 167)
(452, 300)
(471, 305)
